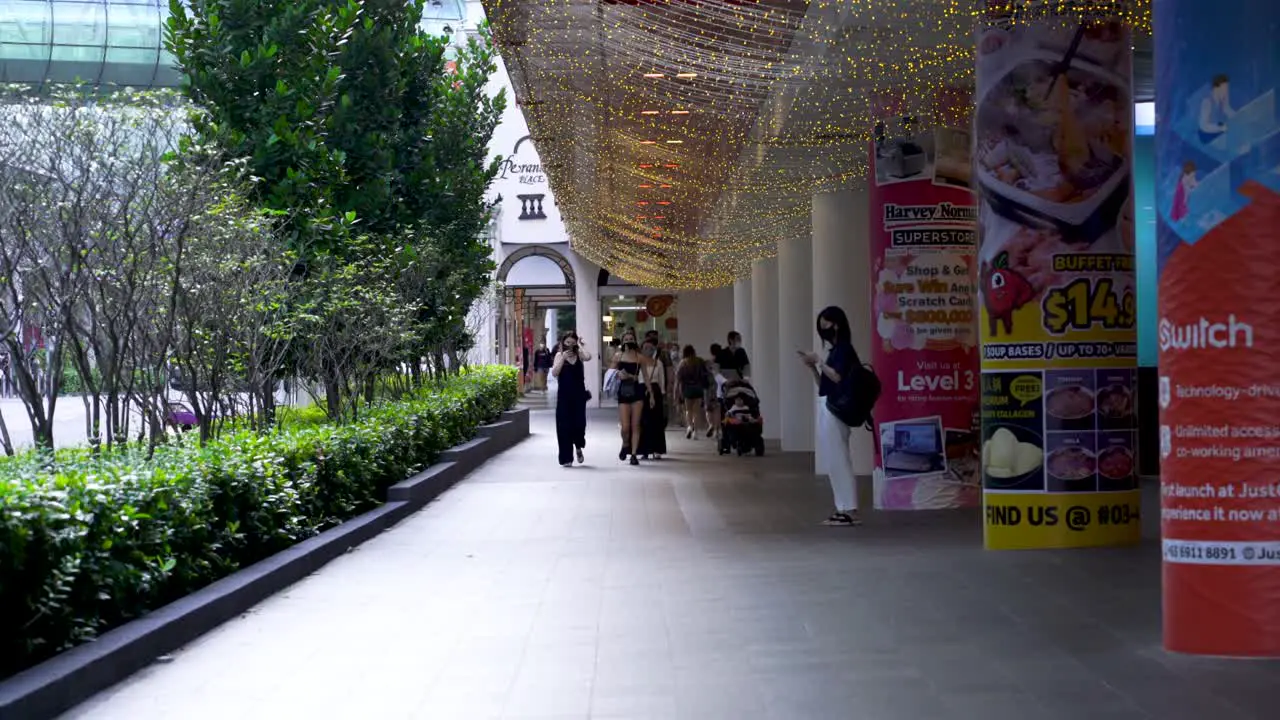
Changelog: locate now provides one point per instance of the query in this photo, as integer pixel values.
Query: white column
(695, 318)
(842, 276)
(722, 320)
(795, 332)
(553, 321)
(540, 334)
(763, 347)
(587, 314)
(706, 316)
(741, 312)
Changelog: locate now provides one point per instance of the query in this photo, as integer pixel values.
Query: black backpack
(857, 398)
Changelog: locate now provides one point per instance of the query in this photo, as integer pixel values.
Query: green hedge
(101, 540)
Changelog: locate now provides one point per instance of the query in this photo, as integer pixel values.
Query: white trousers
(833, 437)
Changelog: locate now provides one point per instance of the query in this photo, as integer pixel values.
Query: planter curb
(69, 678)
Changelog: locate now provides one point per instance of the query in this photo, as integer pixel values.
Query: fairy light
(771, 102)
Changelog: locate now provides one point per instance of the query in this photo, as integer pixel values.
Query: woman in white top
(653, 418)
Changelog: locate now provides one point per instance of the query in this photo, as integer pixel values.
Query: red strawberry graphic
(1003, 292)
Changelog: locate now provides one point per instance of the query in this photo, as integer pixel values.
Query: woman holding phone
(571, 400)
(833, 377)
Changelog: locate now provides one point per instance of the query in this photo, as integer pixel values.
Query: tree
(445, 175)
(233, 321)
(124, 263)
(265, 75)
(374, 150)
(87, 213)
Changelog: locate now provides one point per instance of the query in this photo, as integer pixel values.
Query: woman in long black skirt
(653, 419)
(571, 399)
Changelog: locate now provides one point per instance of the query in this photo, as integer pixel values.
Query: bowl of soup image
(1010, 455)
(1116, 463)
(1069, 402)
(1115, 402)
(1071, 463)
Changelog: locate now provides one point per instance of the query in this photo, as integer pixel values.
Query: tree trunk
(5, 441)
(332, 398)
(268, 403)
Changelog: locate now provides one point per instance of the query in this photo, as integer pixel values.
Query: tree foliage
(374, 150)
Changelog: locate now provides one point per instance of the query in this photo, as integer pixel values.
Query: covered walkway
(700, 588)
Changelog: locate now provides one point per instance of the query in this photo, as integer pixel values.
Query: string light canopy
(685, 139)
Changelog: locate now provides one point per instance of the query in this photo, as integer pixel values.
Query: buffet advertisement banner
(1052, 170)
(923, 256)
(1218, 227)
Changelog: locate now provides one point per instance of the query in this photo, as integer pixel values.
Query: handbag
(612, 380)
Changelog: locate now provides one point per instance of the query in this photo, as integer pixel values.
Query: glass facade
(118, 42)
(96, 41)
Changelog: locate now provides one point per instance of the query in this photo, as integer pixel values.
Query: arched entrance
(538, 300)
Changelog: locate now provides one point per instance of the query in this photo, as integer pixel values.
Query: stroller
(743, 434)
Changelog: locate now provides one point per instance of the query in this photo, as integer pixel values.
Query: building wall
(706, 316)
(535, 219)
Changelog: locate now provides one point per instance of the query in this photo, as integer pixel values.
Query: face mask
(827, 333)
(650, 352)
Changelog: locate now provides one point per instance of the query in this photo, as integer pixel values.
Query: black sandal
(635, 460)
(840, 519)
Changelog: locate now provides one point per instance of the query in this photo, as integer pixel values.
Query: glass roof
(88, 40)
(444, 10)
(118, 42)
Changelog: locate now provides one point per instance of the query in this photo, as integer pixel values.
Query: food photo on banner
(1057, 292)
(1218, 227)
(923, 254)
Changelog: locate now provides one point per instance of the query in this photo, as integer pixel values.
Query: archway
(538, 301)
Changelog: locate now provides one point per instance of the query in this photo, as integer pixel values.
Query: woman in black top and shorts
(630, 365)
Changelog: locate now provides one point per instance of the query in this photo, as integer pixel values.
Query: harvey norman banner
(1052, 164)
(923, 247)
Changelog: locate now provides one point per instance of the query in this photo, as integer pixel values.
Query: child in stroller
(742, 428)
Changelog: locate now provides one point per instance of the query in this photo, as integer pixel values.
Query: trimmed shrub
(90, 542)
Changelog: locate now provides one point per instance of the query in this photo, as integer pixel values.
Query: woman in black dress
(653, 418)
(571, 400)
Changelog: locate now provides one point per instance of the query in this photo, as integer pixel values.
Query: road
(68, 420)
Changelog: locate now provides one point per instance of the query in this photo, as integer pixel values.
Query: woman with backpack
(837, 377)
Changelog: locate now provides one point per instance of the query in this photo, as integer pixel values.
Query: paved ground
(697, 588)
